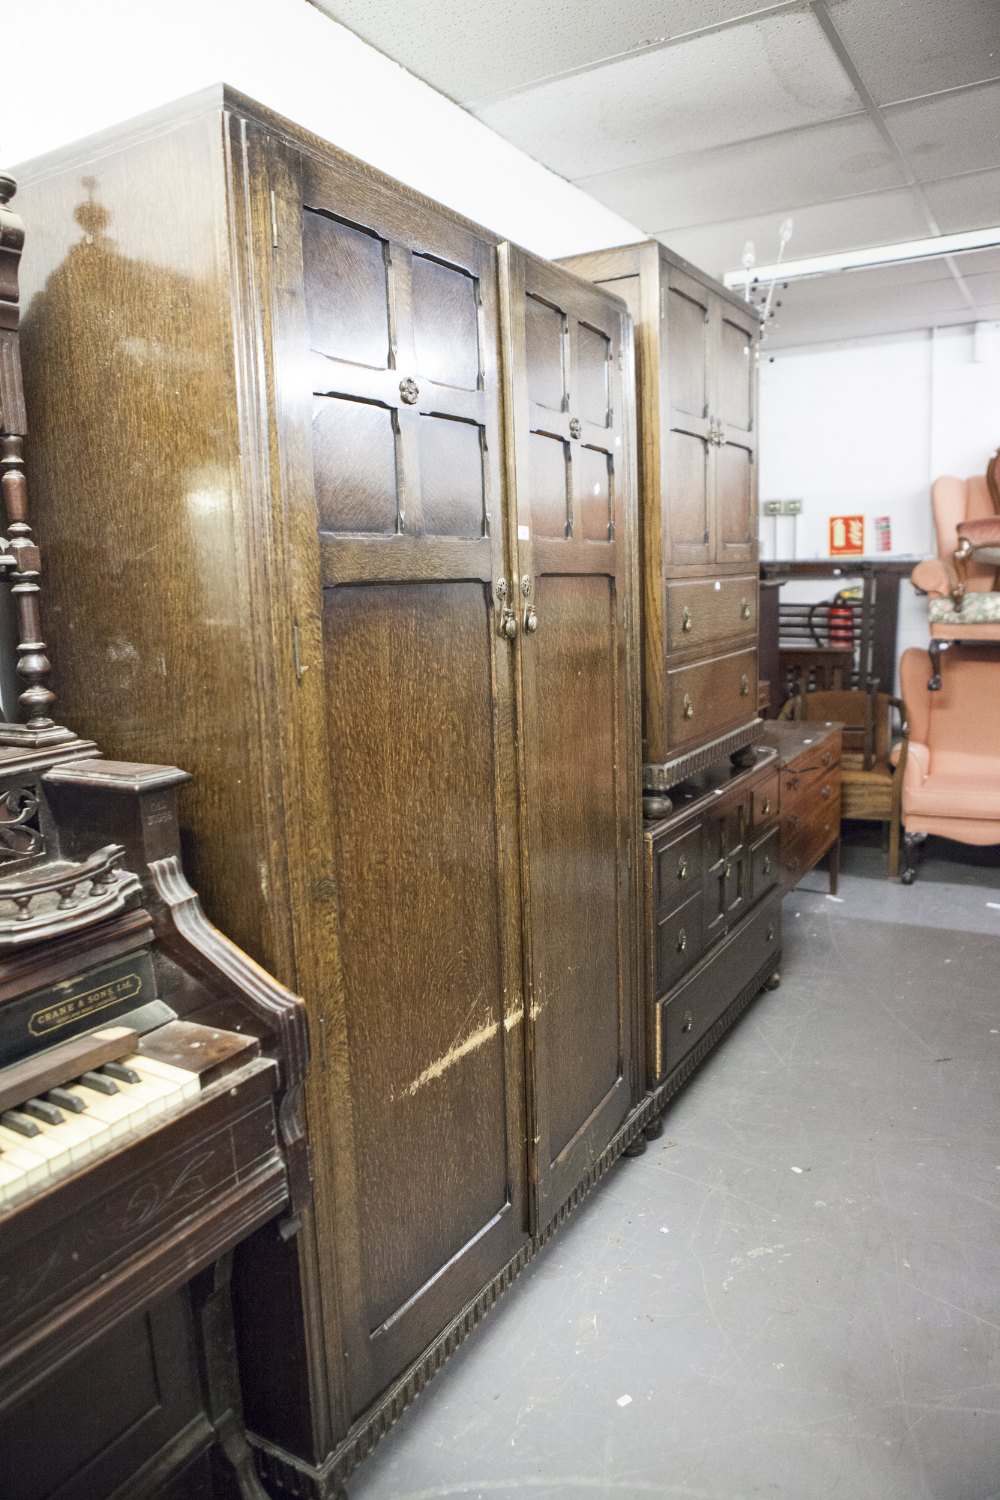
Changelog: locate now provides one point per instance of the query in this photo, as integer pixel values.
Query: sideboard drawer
(699, 1001)
(678, 943)
(678, 869)
(709, 696)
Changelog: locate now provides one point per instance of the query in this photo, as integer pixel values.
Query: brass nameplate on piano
(64, 1010)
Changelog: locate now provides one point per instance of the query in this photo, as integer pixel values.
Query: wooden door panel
(573, 510)
(735, 504)
(572, 845)
(354, 448)
(418, 893)
(687, 343)
(338, 256)
(445, 323)
(396, 332)
(688, 502)
(736, 375)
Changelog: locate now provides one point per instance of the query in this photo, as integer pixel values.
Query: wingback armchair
(951, 778)
(961, 582)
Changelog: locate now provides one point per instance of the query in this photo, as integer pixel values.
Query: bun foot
(654, 1129)
(773, 983)
(637, 1148)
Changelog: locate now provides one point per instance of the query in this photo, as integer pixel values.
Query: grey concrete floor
(795, 1293)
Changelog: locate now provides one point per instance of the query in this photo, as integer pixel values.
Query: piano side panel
(129, 1403)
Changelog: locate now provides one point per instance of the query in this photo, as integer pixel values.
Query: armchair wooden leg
(912, 843)
(893, 848)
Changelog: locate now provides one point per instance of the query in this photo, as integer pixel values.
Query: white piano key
(11, 1183)
(151, 1067)
(81, 1135)
(34, 1168)
(121, 1115)
(58, 1157)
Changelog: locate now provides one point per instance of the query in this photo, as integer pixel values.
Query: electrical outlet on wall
(791, 507)
(772, 507)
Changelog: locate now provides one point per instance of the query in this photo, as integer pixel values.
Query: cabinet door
(686, 353)
(575, 520)
(388, 327)
(734, 410)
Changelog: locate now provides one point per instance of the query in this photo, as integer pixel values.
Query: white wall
(81, 65)
(862, 428)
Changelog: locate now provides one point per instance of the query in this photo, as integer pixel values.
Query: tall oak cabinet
(343, 488)
(697, 381)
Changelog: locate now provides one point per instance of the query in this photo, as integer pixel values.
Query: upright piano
(150, 1081)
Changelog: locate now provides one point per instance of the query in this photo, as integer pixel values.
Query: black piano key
(121, 1071)
(99, 1084)
(63, 1099)
(22, 1124)
(44, 1111)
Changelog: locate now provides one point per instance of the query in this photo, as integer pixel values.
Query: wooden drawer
(705, 612)
(764, 863)
(710, 696)
(677, 868)
(765, 801)
(799, 778)
(685, 1016)
(810, 802)
(678, 943)
(805, 842)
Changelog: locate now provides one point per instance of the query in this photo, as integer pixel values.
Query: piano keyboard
(44, 1135)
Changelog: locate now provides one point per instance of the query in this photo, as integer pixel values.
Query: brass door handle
(745, 609)
(686, 619)
(688, 707)
(682, 868)
(765, 807)
(688, 1022)
(682, 940)
(530, 619)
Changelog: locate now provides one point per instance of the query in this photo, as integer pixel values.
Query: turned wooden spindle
(24, 571)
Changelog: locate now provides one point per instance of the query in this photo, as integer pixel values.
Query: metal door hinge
(274, 221)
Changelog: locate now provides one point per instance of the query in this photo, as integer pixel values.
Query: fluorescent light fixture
(877, 255)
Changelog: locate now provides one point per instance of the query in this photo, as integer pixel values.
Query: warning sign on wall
(847, 536)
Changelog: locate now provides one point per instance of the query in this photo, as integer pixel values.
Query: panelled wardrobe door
(397, 324)
(575, 527)
(688, 451)
(736, 434)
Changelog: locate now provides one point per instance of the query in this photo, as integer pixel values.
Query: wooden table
(809, 796)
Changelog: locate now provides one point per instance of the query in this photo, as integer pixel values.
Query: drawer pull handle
(728, 869)
(688, 707)
(826, 791)
(792, 821)
(793, 782)
(767, 864)
(744, 686)
(688, 1023)
(745, 609)
(765, 807)
(686, 621)
(682, 867)
(770, 932)
(826, 758)
(682, 940)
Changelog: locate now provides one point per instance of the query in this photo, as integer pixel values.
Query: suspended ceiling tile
(978, 262)
(750, 80)
(949, 133)
(470, 51)
(822, 229)
(968, 202)
(841, 326)
(904, 48)
(773, 174)
(984, 290)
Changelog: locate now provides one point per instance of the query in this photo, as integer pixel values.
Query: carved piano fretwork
(150, 1081)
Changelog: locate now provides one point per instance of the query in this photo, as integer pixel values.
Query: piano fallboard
(136, 1223)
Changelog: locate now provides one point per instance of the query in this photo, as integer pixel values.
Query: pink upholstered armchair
(951, 777)
(961, 582)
